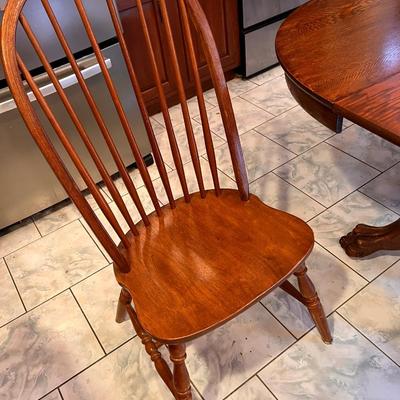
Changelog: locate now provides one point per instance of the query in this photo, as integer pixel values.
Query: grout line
(353, 156)
(87, 320)
(34, 223)
(276, 318)
(16, 287)
(95, 362)
(377, 201)
(61, 292)
(102, 251)
(369, 340)
(59, 392)
(269, 390)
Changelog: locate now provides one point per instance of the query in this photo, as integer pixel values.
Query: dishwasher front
(27, 184)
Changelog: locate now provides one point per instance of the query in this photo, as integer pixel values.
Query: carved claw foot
(365, 240)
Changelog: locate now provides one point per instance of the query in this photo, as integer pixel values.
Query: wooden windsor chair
(200, 260)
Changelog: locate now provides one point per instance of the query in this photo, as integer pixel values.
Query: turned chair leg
(124, 300)
(313, 303)
(181, 375)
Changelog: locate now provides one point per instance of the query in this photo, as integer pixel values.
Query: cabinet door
(138, 50)
(223, 17)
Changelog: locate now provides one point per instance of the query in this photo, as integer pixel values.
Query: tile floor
(58, 294)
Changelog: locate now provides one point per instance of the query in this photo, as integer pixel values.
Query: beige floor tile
(326, 174)
(223, 359)
(254, 389)
(193, 187)
(44, 348)
(181, 138)
(236, 86)
(367, 147)
(125, 374)
(98, 296)
(385, 188)
(277, 193)
(273, 96)
(350, 368)
(53, 263)
(375, 311)
(17, 236)
(334, 281)
(295, 130)
(247, 115)
(176, 115)
(61, 214)
(10, 303)
(340, 219)
(261, 155)
(266, 76)
(55, 395)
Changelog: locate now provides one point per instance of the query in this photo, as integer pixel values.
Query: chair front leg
(181, 375)
(313, 303)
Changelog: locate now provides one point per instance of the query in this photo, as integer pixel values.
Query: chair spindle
(136, 87)
(163, 103)
(182, 98)
(79, 126)
(96, 113)
(119, 108)
(200, 97)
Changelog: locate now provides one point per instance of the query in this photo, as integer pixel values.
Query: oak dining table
(342, 60)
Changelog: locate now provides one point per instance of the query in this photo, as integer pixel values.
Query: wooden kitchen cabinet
(224, 21)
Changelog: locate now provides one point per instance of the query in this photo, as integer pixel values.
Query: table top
(346, 53)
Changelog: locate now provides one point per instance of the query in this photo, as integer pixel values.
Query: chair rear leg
(181, 376)
(124, 300)
(313, 303)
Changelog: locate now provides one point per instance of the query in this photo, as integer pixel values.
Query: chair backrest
(17, 72)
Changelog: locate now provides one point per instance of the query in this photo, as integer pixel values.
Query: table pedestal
(365, 240)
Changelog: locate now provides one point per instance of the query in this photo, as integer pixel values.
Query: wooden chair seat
(203, 262)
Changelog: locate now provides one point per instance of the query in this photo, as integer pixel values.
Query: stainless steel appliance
(27, 185)
(260, 21)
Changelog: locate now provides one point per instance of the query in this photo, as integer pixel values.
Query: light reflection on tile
(98, 296)
(335, 283)
(385, 188)
(295, 130)
(326, 174)
(367, 147)
(44, 348)
(52, 264)
(17, 236)
(375, 311)
(254, 389)
(277, 193)
(223, 359)
(340, 219)
(273, 96)
(10, 303)
(350, 368)
(261, 156)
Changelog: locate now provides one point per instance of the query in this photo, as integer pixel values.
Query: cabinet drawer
(255, 11)
(260, 48)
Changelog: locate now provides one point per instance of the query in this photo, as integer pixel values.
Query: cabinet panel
(224, 21)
